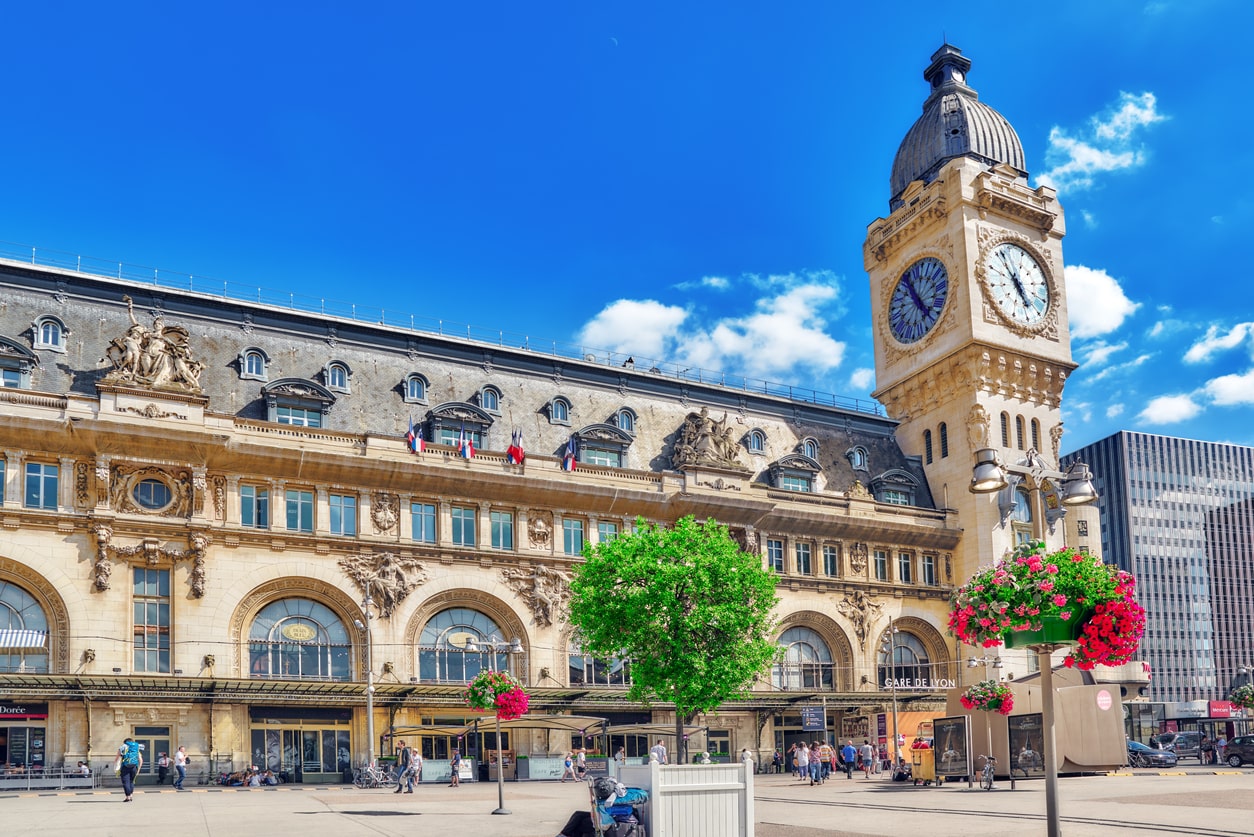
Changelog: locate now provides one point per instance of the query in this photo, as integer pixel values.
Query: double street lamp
(996, 663)
(888, 645)
(366, 604)
(1075, 489)
(496, 646)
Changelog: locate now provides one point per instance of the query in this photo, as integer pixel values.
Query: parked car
(1140, 755)
(1186, 745)
(1240, 750)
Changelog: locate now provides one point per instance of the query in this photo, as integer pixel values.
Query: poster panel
(952, 743)
(1027, 756)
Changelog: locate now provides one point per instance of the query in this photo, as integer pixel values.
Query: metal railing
(380, 316)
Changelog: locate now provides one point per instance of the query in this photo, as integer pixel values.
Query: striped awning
(14, 640)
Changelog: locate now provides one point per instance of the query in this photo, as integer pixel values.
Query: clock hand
(914, 295)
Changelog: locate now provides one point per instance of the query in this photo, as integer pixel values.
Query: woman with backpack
(130, 759)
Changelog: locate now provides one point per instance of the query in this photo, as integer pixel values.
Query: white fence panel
(695, 800)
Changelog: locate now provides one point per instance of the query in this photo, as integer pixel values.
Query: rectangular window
(929, 570)
(10, 378)
(463, 526)
(152, 620)
(422, 522)
(572, 536)
(905, 567)
(794, 483)
(41, 486)
(894, 497)
(343, 514)
(881, 565)
(831, 561)
(597, 456)
(775, 555)
(451, 436)
(254, 507)
(606, 532)
(298, 416)
(299, 510)
(803, 558)
(502, 530)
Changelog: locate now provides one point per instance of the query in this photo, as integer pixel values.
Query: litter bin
(923, 766)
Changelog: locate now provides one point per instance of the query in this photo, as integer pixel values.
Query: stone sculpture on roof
(156, 358)
(703, 441)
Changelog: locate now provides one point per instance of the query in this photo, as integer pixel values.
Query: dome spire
(955, 123)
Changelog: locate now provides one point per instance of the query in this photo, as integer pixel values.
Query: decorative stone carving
(540, 529)
(153, 555)
(156, 357)
(545, 590)
(386, 578)
(199, 483)
(102, 481)
(857, 558)
(82, 479)
(124, 478)
(977, 427)
(198, 543)
(385, 511)
(747, 538)
(860, 609)
(949, 567)
(102, 569)
(703, 441)
(219, 496)
(858, 491)
(246, 324)
(1055, 438)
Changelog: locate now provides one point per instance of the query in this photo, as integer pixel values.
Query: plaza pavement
(1210, 802)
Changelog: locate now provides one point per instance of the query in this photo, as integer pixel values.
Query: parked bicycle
(988, 773)
(374, 776)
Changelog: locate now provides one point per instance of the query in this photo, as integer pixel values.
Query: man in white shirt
(180, 767)
(658, 752)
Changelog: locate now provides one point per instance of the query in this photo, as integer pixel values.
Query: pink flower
(1059, 600)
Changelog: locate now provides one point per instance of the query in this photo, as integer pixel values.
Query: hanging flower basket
(989, 696)
(497, 692)
(1243, 696)
(1065, 597)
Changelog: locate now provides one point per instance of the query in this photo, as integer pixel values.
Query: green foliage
(685, 604)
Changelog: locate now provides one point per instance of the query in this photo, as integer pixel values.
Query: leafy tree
(685, 604)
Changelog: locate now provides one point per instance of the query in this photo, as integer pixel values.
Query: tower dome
(955, 123)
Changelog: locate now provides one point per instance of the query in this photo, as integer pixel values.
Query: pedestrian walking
(404, 766)
(568, 767)
(180, 767)
(130, 759)
(455, 765)
(658, 751)
(849, 754)
(868, 758)
(803, 762)
(581, 763)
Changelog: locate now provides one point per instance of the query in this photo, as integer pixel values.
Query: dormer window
(16, 362)
(336, 374)
(50, 333)
(626, 420)
(857, 457)
(297, 402)
(810, 448)
(253, 364)
(795, 472)
(490, 399)
(755, 441)
(416, 389)
(602, 444)
(559, 411)
(895, 487)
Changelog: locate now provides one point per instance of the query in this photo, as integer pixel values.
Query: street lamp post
(988, 477)
(996, 663)
(494, 646)
(889, 646)
(366, 604)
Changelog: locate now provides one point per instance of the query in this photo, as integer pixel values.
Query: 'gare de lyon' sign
(919, 683)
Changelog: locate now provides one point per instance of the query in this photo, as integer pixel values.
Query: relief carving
(540, 530)
(859, 491)
(154, 554)
(1055, 438)
(385, 511)
(703, 441)
(977, 427)
(857, 558)
(384, 577)
(199, 483)
(860, 609)
(747, 539)
(82, 477)
(219, 496)
(124, 478)
(545, 590)
(102, 568)
(156, 357)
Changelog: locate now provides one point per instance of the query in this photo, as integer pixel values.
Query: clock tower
(970, 315)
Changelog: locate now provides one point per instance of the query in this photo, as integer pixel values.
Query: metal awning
(652, 730)
(20, 640)
(568, 723)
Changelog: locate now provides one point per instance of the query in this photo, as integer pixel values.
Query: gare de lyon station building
(200, 491)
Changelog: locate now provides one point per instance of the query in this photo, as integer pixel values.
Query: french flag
(571, 456)
(514, 454)
(464, 445)
(413, 439)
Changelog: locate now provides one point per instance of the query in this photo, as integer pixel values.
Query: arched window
(1019, 435)
(1021, 517)
(50, 333)
(416, 389)
(24, 629)
(559, 411)
(810, 448)
(806, 662)
(253, 364)
(490, 399)
(944, 440)
(299, 639)
(585, 670)
(337, 375)
(857, 458)
(443, 653)
(1005, 430)
(1036, 435)
(627, 420)
(927, 447)
(909, 661)
(755, 441)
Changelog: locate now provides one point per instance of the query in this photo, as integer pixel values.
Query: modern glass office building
(1179, 514)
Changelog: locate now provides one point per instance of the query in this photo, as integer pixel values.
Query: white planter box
(694, 800)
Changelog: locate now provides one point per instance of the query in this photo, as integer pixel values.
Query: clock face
(918, 299)
(1017, 284)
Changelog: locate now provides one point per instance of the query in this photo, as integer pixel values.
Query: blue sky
(685, 181)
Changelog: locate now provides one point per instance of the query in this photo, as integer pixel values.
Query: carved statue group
(156, 357)
(704, 441)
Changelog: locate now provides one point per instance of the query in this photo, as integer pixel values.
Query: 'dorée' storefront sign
(23, 711)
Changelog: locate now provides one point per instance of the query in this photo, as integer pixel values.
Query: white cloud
(1106, 144)
(718, 283)
(1096, 303)
(1215, 342)
(782, 334)
(1098, 353)
(1229, 390)
(634, 327)
(1114, 411)
(1090, 220)
(861, 379)
(1139, 360)
(1170, 409)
